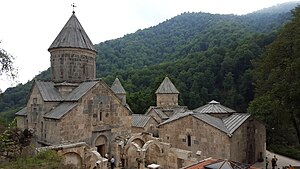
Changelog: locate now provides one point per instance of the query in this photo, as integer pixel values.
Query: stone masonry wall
(240, 145)
(72, 65)
(167, 100)
(195, 135)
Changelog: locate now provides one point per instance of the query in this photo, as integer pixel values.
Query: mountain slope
(189, 36)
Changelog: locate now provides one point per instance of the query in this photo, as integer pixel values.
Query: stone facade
(167, 100)
(196, 136)
(72, 65)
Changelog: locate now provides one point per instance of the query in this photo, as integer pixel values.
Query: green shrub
(48, 159)
(292, 152)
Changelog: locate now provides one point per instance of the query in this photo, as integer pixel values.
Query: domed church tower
(73, 56)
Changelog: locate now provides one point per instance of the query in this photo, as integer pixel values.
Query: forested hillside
(207, 56)
(217, 43)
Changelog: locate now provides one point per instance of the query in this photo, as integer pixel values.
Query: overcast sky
(29, 27)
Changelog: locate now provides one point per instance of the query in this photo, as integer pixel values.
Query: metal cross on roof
(73, 5)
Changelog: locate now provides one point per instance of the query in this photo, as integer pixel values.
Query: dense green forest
(207, 56)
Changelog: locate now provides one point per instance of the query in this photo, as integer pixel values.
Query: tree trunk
(296, 125)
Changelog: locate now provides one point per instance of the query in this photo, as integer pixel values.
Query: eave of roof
(139, 120)
(61, 110)
(22, 112)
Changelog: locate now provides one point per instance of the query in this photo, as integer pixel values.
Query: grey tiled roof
(81, 90)
(22, 112)
(167, 87)
(48, 91)
(161, 114)
(234, 121)
(214, 107)
(117, 87)
(59, 111)
(139, 120)
(180, 109)
(176, 117)
(213, 121)
(72, 35)
(227, 125)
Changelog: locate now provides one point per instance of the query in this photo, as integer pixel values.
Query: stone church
(212, 130)
(83, 118)
(75, 106)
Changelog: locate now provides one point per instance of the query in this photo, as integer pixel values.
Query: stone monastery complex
(83, 118)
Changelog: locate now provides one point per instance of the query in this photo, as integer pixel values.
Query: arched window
(189, 140)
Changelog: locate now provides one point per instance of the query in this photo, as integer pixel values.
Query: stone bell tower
(167, 95)
(73, 56)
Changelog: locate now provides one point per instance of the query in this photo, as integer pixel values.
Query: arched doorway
(73, 159)
(101, 144)
(153, 154)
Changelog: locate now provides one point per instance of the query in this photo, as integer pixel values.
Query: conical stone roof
(117, 87)
(167, 87)
(72, 36)
(214, 107)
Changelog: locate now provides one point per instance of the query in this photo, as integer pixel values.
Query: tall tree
(277, 76)
(6, 64)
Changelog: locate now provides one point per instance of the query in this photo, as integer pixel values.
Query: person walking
(112, 162)
(274, 162)
(267, 162)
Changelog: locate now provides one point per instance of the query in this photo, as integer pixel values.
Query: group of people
(274, 163)
(111, 161)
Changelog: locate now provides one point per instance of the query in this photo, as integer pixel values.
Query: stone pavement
(282, 161)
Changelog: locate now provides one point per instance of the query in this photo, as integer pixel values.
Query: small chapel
(84, 119)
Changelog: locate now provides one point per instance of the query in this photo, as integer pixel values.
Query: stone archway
(139, 141)
(152, 155)
(72, 158)
(152, 152)
(102, 145)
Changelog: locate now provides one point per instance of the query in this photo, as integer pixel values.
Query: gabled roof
(117, 87)
(48, 91)
(59, 111)
(228, 125)
(139, 120)
(176, 117)
(226, 164)
(72, 36)
(167, 87)
(22, 112)
(210, 163)
(81, 90)
(160, 113)
(213, 121)
(179, 109)
(234, 121)
(214, 107)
